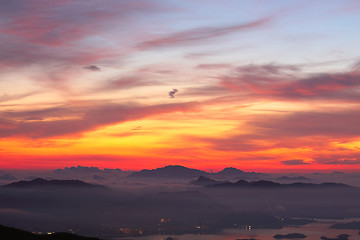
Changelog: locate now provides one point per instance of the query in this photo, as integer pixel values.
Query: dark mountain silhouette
(78, 169)
(8, 233)
(265, 184)
(298, 178)
(244, 183)
(271, 184)
(177, 171)
(40, 183)
(290, 235)
(348, 225)
(231, 172)
(296, 221)
(340, 237)
(203, 181)
(169, 172)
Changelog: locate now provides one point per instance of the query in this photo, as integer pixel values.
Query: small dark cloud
(172, 93)
(294, 162)
(92, 68)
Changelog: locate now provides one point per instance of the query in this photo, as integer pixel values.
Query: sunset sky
(262, 85)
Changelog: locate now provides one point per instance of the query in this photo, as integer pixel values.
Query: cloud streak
(197, 35)
(294, 162)
(282, 82)
(66, 120)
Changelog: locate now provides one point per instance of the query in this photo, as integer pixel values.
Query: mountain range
(176, 171)
(43, 183)
(270, 184)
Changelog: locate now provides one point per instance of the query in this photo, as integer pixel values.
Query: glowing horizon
(260, 86)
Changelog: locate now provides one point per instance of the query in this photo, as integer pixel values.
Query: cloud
(173, 92)
(125, 83)
(92, 68)
(212, 66)
(336, 124)
(339, 160)
(69, 120)
(286, 82)
(6, 97)
(56, 23)
(294, 162)
(199, 34)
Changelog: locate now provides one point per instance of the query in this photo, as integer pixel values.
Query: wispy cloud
(294, 162)
(199, 34)
(286, 83)
(68, 120)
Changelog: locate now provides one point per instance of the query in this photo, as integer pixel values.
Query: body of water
(313, 231)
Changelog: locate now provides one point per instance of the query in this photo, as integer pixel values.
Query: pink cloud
(56, 23)
(282, 82)
(199, 34)
(213, 66)
(83, 118)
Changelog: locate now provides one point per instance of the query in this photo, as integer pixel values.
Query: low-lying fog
(146, 202)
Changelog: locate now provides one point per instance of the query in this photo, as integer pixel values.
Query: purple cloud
(199, 34)
(77, 119)
(294, 162)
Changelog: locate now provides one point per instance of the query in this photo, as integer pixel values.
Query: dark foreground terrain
(9, 233)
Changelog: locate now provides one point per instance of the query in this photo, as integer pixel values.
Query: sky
(133, 84)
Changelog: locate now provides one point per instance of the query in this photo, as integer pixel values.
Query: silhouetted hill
(298, 178)
(265, 184)
(349, 225)
(168, 172)
(203, 181)
(78, 169)
(340, 237)
(244, 183)
(9, 233)
(290, 236)
(297, 221)
(271, 184)
(40, 182)
(231, 172)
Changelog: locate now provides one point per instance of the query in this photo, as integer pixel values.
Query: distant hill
(231, 172)
(78, 169)
(203, 181)
(271, 184)
(8, 233)
(298, 178)
(40, 183)
(290, 236)
(168, 172)
(176, 171)
(348, 225)
(244, 183)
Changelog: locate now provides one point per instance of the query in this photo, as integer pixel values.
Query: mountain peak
(170, 171)
(232, 170)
